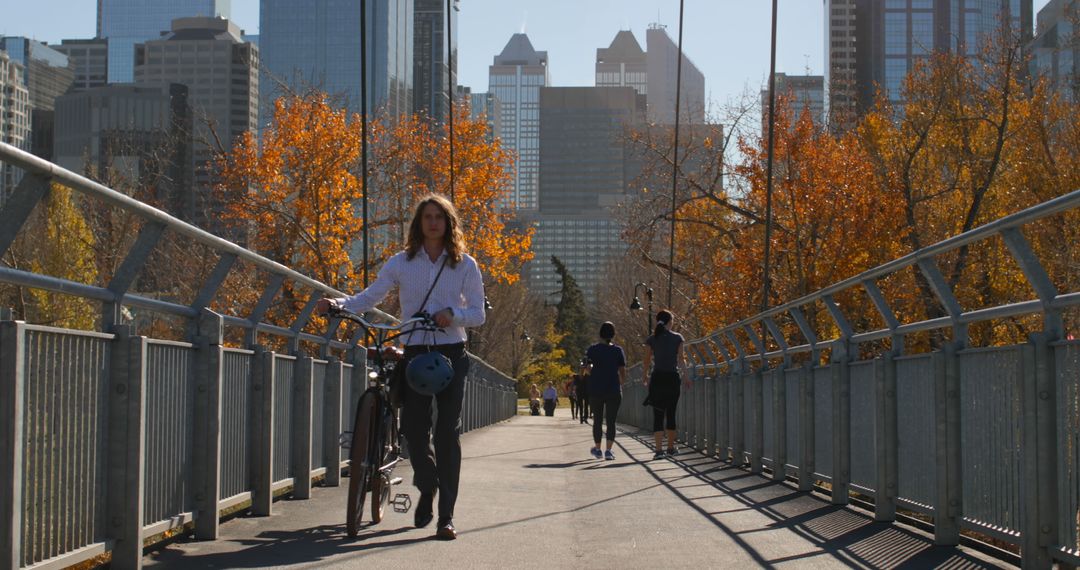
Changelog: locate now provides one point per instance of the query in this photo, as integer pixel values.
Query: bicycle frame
(371, 472)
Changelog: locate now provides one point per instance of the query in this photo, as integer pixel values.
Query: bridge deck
(532, 496)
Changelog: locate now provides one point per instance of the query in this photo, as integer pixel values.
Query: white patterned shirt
(460, 288)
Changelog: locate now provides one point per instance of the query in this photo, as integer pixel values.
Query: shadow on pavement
(841, 533)
(283, 548)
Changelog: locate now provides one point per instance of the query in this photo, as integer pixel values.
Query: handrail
(40, 167)
(1057, 302)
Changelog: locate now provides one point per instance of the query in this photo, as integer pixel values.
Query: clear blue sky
(727, 39)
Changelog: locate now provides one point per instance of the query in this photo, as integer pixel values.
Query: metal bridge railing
(107, 438)
(982, 439)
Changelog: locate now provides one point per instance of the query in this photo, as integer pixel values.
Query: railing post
(301, 452)
(947, 503)
(723, 413)
(806, 427)
(841, 394)
(779, 406)
(126, 447)
(738, 414)
(12, 400)
(1039, 478)
(886, 439)
(206, 463)
(335, 371)
(757, 420)
(262, 432)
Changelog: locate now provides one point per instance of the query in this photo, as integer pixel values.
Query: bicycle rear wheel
(383, 449)
(360, 468)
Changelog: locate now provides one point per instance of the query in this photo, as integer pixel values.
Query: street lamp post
(635, 305)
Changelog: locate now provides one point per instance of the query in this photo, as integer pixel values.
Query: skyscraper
(662, 57)
(221, 72)
(47, 74)
(14, 118)
(804, 93)
(90, 60)
(141, 133)
(623, 63)
(317, 44)
(128, 22)
(874, 44)
(515, 78)
(487, 105)
(430, 72)
(1055, 52)
(585, 171)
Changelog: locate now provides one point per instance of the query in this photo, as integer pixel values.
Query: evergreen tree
(571, 318)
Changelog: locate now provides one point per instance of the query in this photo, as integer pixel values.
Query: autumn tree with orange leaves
(975, 140)
(297, 194)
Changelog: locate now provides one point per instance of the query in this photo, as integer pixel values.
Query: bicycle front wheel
(360, 468)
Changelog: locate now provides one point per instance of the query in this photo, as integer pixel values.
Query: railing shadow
(284, 548)
(845, 535)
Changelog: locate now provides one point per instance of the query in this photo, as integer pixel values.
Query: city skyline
(485, 26)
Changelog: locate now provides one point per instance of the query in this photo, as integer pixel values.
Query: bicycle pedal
(345, 439)
(402, 503)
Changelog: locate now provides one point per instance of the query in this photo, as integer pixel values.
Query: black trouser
(573, 406)
(666, 383)
(439, 468)
(583, 406)
(549, 407)
(605, 409)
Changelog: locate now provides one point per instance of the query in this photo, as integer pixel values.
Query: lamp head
(635, 305)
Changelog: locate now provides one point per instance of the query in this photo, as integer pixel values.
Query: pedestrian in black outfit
(663, 350)
(571, 394)
(581, 386)
(607, 372)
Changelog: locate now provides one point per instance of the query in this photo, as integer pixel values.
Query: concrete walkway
(533, 497)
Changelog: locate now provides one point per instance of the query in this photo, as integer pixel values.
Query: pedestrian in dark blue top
(606, 366)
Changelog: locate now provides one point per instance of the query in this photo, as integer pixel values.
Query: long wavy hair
(453, 240)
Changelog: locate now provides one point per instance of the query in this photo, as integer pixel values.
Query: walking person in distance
(433, 275)
(607, 372)
(663, 351)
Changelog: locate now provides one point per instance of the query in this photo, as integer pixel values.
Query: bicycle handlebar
(425, 321)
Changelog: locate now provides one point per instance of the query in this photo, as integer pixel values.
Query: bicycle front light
(373, 375)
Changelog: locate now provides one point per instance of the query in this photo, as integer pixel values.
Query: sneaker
(671, 451)
(596, 452)
(659, 455)
(608, 455)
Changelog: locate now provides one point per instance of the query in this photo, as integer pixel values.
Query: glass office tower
(515, 78)
(876, 43)
(128, 22)
(317, 44)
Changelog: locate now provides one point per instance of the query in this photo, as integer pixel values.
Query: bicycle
(373, 443)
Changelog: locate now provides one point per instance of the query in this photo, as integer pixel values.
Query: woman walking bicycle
(663, 350)
(606, 365)
(434, 276)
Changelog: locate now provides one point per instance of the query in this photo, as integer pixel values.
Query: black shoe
(423, 515)
(446, 529)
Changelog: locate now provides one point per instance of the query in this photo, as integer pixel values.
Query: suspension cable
(450, 91)
(364, 130)
(675, 159)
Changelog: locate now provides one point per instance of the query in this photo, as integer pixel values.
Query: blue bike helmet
(429, 373)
